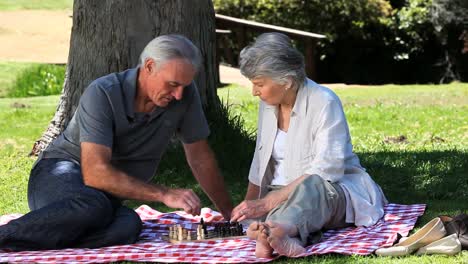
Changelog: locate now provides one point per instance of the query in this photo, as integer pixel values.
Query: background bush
(369, 41)
(38, 80)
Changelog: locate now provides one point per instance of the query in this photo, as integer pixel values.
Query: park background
(396, 65)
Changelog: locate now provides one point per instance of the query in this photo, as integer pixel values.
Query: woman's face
(268, 90)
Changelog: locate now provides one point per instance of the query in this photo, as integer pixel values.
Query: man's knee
(132, 226)
(93, 205)
(134, 223)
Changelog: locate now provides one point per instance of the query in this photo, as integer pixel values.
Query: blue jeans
(67, 213)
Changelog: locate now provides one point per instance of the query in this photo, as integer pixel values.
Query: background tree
(371, 41)
(448, 17)
(108, 36)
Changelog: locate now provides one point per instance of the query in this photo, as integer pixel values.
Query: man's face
(166, 82)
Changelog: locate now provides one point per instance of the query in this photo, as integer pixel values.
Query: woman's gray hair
(168, 47)
(272, 55)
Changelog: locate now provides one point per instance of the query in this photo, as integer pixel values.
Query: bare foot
(281, 229)
(262, 247)
(253, 230)
(283, 239)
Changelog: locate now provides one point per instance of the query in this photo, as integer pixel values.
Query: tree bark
(109, 35)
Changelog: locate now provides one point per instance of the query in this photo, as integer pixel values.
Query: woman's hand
(250, 209)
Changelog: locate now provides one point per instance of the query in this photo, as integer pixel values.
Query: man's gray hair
(272, 55)
(168, 47)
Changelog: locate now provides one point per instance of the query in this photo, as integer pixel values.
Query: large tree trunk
(109, 35)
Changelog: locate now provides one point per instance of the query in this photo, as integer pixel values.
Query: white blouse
(278, 158)
(318, 142)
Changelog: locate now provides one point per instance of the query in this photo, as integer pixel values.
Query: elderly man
(111, 149)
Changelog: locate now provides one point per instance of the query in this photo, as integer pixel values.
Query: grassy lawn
(8, 73)
(35, 4)
(429, 165)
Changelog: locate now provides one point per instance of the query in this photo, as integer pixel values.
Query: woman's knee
(314, 178)
(310, 185)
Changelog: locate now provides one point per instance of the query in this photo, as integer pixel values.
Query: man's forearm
(122, 185)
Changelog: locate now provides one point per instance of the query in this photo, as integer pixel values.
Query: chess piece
(171, 232)
(205, 230)
(179, 233)
(200, 234)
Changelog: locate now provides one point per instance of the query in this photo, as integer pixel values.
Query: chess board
(204, 232)
(175, 241)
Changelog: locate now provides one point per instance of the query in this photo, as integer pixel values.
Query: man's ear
(149, 65)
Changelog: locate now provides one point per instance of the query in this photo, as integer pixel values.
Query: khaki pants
(314, 205)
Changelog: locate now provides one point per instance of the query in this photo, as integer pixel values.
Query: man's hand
(184, 199)
(251, 209)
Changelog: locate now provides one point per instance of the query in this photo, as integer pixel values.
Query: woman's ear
(289, 83)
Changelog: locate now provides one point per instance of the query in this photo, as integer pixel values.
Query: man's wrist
(160, 194)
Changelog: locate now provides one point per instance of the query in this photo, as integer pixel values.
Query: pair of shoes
(457, 225)
(431, 232)
(449, 245)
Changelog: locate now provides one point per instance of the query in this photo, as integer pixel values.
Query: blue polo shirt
(105, 116)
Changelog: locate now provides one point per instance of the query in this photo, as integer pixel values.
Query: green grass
(21, 123)
(429, 167)
(35, 4)
(38, 80)
(8, 73)
(30, 79)
(368, 98)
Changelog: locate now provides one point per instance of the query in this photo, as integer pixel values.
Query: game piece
(204, 232)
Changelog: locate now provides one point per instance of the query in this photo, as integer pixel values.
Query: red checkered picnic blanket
(151, 248)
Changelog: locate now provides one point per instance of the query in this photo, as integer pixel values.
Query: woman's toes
(253, 230)
(262, 247)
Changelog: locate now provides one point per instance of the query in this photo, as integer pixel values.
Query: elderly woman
(304, 175)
